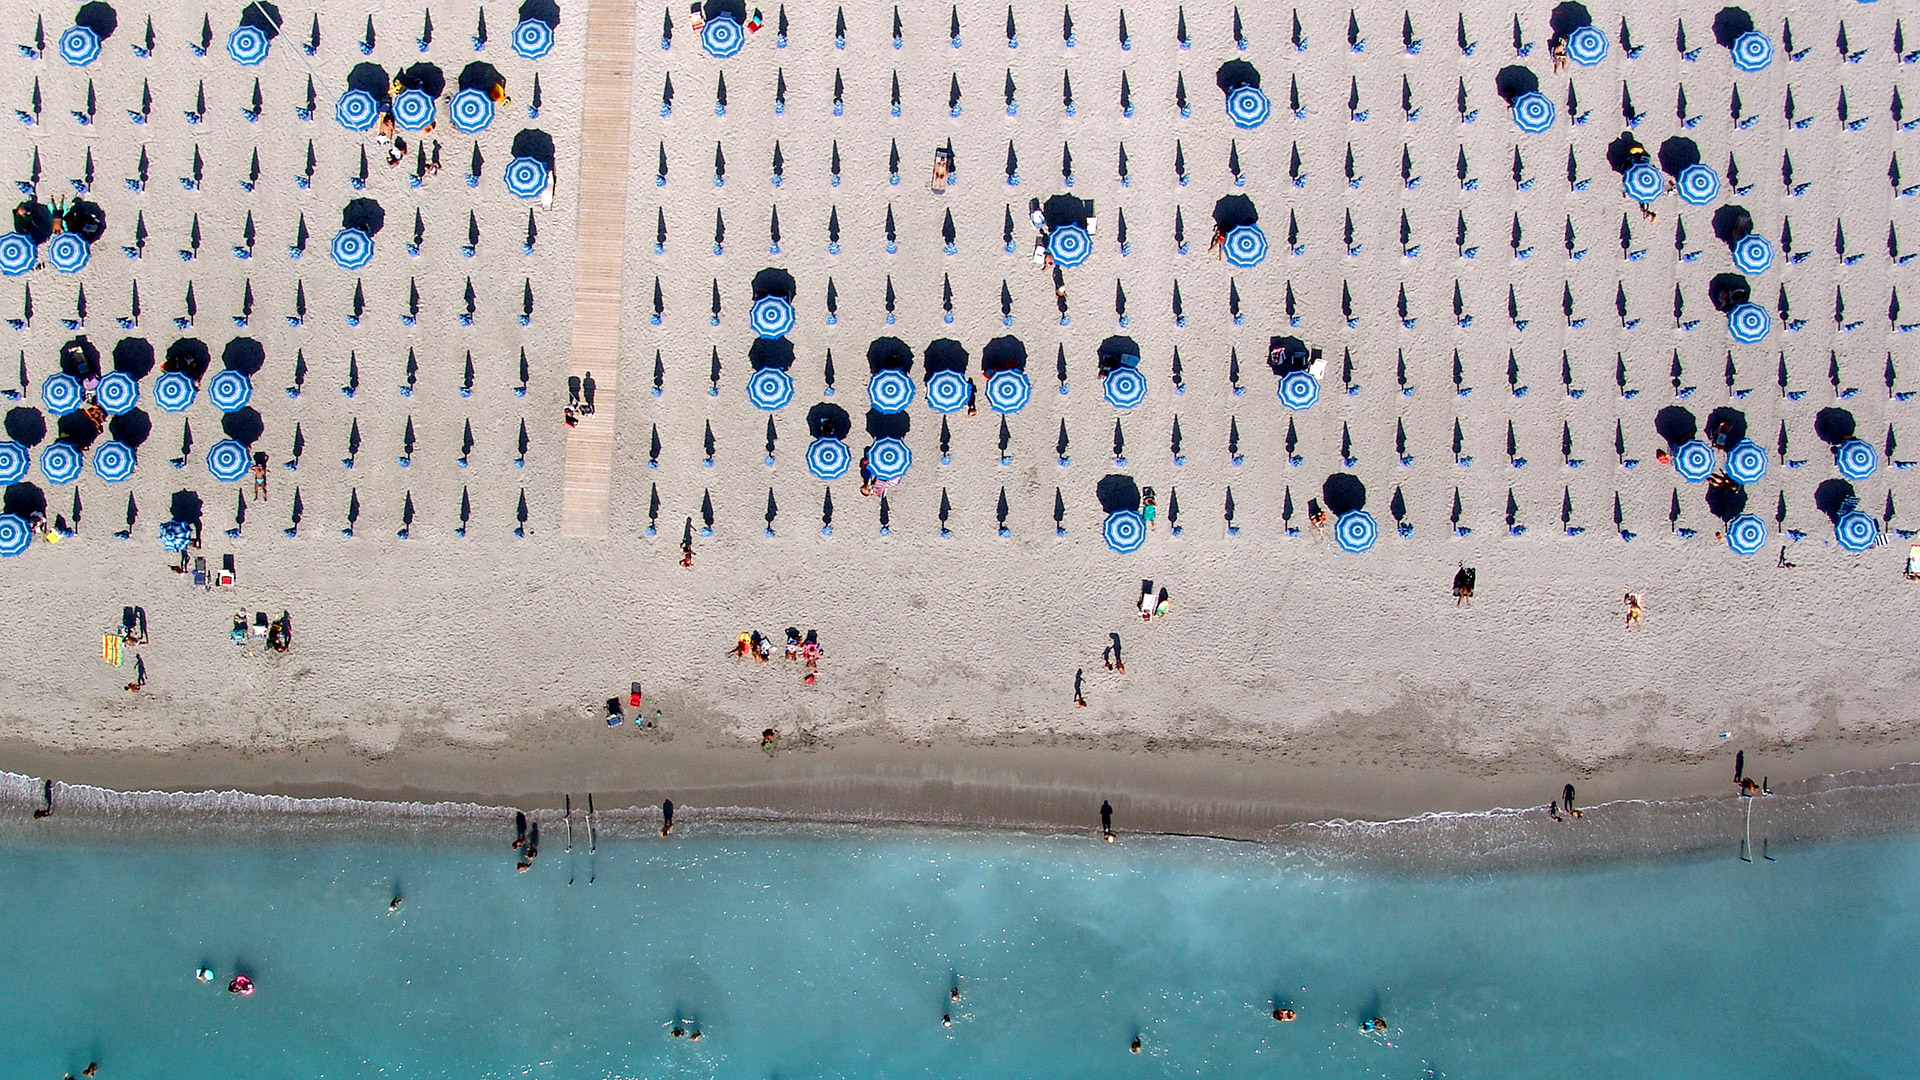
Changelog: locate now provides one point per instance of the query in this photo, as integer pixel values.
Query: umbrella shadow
(888, 425)
(1676, 153)
(186, 506)
(1515, 80)
(367, 215)
(243, 425)
(1833, 425)
(1728, 291)
(1676, 424)
(889, 354)
(98, 17)
(828, 421)
(24, 499)
(1729, 24)
(132, 427)
(26, 425)
(1732, 223)
(1726, 502)
(244, 355)
(1568, 16)
(1004, 353)
(481, 76)
(536, 144)
(1620, 152)
(546, 11)
(774, 281)
(189, 357)
(1117, 492)
(1727, 426)
(371, 78)
(1231, 211)
(77, 428)
(1236, 73)
(1833, 498)
(426, 78)
(770, 353)
(1118, 351)
(1343, 492)
(80, 358)
(945, 354)
(134, 356)
(262, 15)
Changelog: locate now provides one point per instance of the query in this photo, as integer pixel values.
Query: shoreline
(1229, 793)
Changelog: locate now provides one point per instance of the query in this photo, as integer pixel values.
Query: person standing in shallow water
(1106, 820)
(666, 817)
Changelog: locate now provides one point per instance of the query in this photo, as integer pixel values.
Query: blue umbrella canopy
(1587, 45)
(1697, 184)
(79, 46)
(1752, 254)
(1749, 323)
(67, 253)
(1070, 245)
(772, 316)
(15, 535)
(1857, 459)
(248, 45)
(113, 461)
(471, 111)
(1856, 532)
(1248, 107)
(828, 459)
(352, 249)
(18, 254)
(413, 109)
(61, 463)
(228, 461)
(356, 110)
(1125, 388)
(1752, 51)
(14, 461)
(61, 393)
(770, 389)
(722, 37)
(1299, 391)
(947, 391)
(889, 459)
(1746, 534)
(1693, 460)
(532, 39)
(1355, 531)
(1643, 182)
(229, 390)
(1533, 112)
(1245, 246)
(525, 177)
(1124, 531)
(117, 393)
(1009, 391)
(890, 391)
(1746, 462)
(174, 392)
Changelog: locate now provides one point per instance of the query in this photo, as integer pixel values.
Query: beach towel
(110, 648)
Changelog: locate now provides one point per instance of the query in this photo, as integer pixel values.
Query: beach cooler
(226, 571)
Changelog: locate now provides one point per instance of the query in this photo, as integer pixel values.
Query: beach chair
(260, 624)
(1913, 562)
(200, 571)
(226, 570)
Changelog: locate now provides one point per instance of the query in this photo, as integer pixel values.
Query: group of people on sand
(752, 643)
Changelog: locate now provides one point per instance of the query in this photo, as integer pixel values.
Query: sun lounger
(226, 570)
(1913, 562)
(260, 624)
(200, 571)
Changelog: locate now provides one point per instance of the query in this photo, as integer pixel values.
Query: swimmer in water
(1283, 1016)
(92, 1067)
(953, 995)
(946, 1020)
(1378, 1026)
(1136, 1044)
(693, 1036)
(205, 975)
(679, 1032)
(394, 906)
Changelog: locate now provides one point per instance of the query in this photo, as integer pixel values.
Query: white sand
(1277, 647)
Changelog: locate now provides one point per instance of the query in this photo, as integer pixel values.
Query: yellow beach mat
(110, 648)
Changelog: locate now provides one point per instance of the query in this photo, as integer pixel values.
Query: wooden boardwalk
(600, 238)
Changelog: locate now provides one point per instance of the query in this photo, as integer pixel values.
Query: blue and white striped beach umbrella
(14, 461)
(1355, 531)
(1643, 182)
(1587, 45)
(1070, 245)
(1124, 531)
(1752, 254)
(1857, 459)
(174, 392)
(229, 390)
(413, 109)
(890, 391)
(1125, 388)
(532, 39)
(471, 111)
(68, 252)
(1746, 534)
(356, 110)
(769, 389)
(828, 459)
(17, 254)
(1299, 391)
(1856, 532)
(15, 535)
(889, 459)
(525, 177)
(1697, 184)
(1749, 323)
(61, 393)
(352, 249)
(1746, 462)
(113, 461)
(117, 393)
(61, 463)
(79, 45)
(1008, 391)
(772, 317)
(947, 391)
(1752, 51)
(1693, 460)
(1533, 112)
(722, 37)
(1245, 246)
(228, 461)
(248, 45)
(1248, 107)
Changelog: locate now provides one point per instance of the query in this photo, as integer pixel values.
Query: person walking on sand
(1635, 609)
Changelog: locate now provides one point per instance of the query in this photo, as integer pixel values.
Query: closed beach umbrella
(14, 460)
(769, 389)
(1533, 112)
(1697, 184)
(352, 249)
(1587, 45)
(61, 463)
(1246, 246)
(1125, 388)
(828, 459)
(471, 111)
(1070, 245)
(1355, 531)
(1857, 459)
(79, 46)
(17, 254)
(1693, 460)
(174, 392)
(228, 461)
(1752, 51)
(1749, 323)
(947, 391)
(1124, 531)
(1248, 107)
(413, 109)
(113, 461)
(248, 45)
(525, 177)
(1752, 254)
(533, 39)
(67, 252)
(15, 535)
(1009, 391)
(722, 37)
(1747, 462)
(117, 392)
(1856, 532)
(61, 393)
(889, 459)
(890, 391)
(772, 317)
(229, 390)
(356, 110)
(1746, 534)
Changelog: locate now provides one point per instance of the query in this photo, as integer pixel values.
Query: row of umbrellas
(251, 41)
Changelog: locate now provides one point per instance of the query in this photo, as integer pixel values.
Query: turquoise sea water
(824, 953)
